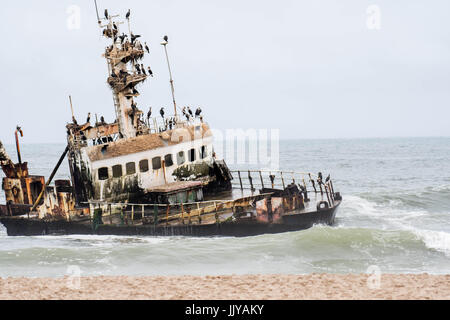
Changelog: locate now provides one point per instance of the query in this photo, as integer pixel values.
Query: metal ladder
(117, 106)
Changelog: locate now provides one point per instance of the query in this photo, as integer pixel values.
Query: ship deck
(221, 207)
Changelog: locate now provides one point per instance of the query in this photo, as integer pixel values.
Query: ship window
(203, 152)
(131, 168)
(117, 171)
(103, 174)
(168, 160)
(143, 166)
(156, 163)
(192, 155)
(181, 158)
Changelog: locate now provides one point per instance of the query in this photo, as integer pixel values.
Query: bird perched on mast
(138, 68)
(128, 14)
(122, 38)
(162, 112)
(134, 37)
(106, 14)
(88, 118)
(146, 47)
(150, 72)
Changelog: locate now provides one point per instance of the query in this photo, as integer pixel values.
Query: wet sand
(250, 287)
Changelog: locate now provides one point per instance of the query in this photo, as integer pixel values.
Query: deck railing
(244, 180)
(308, 183)
(276, 179)
(158, 124)
(184, 213)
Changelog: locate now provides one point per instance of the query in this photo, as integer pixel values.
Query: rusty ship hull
(287, 223)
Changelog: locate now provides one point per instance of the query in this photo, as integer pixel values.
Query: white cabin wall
(152, 178)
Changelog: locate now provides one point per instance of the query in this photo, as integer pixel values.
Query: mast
(96, 10)
(165, 43)
(124, 58)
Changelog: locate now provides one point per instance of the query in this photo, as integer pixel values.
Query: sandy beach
(250, 287)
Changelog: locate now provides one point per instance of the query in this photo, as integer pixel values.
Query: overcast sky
(313, 69)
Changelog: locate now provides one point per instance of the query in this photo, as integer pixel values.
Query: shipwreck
(154, 174)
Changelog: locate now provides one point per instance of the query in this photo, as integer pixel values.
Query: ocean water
(395, 215)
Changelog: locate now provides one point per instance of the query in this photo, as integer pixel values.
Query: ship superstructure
(127, 159)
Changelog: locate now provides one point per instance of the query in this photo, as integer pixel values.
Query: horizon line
(284, 139)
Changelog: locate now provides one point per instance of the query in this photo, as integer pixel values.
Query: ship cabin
(139, 167)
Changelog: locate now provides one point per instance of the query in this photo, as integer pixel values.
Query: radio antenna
(96, 10)
(164, 44)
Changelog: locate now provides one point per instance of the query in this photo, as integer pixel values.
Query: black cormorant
(134, 37)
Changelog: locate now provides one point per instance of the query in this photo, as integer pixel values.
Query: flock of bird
(131, 41)
(127, 16)
(102, 119)
(127, 44)
(187, 112)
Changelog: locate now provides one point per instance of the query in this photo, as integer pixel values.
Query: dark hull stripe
(295, 222)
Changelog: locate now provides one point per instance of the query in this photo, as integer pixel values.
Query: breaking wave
(437, 240)
(391, 214)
